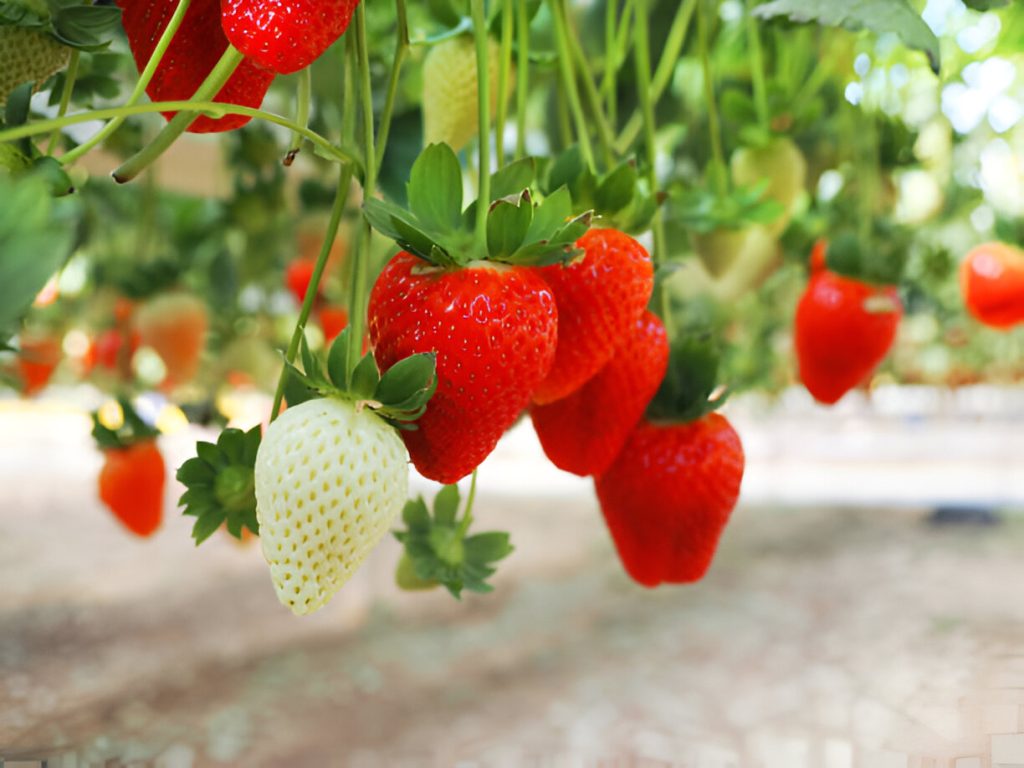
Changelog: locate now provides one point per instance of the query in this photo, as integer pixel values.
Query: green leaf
(616, 190)
(507, 226)
(406, 378)
(691, 377)
(551, 214)
(879, 16)
(435, 188)
(296, 391)
(487, 547)
(446, 505)
(207, 524)
(337, 360)
(416, 515)
(513, 178)
(195, 471)
(366, 377)
(566, 169)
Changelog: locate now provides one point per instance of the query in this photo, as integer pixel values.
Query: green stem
(757, 79)
(663, 73)
(568, 75)
(522, 74)
(65, 98)
(719, 178)
(212, 108)
(604, 130)
(484, 116)
(504, 63)
(209, 89)
(303, 99)
(401, 50)
(140, 86)
(338, 209)
(349, 97)
(467, 517)
(611, 60)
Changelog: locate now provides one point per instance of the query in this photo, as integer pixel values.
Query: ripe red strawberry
(131, 484)
(584, 432)
(40, 356)
(600, 296)
(285, 36)
(992, 284)
(669, 494)
(298, 275)
(109, 347)
(175, 326)
(333, 320)
(196, 48)
(493, 327)
(843, 330)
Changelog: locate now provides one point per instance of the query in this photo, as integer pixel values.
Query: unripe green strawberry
(450, 112)
(329, 481)
(782, 165)
(28, 55)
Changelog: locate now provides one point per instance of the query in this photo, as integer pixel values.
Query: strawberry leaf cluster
(438, 551)
(690, 388)
(702, 210)
(519, 231)
(79, 25)
(132, 429)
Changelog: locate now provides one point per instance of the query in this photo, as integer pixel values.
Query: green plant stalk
(65, 98)
(140, 86)
(504, 63)
(604, 130)
(568, 75)
(349, 98)
(719, 178)
(337, 211)
(609, 85)
(212, 108)
(210, 87)
(622, 41)
(522, 74)
(757, 79)
(303, 98)
(467, 517)
(664, 71)
(484, 116)
(401, 51)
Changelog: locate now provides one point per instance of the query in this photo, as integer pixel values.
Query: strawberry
(333, 320)
(131, 484)
(450, 113)
(298, 276)
(330, 478)
(195, 49)
(782, 165)
(109, 348)
(284, 36)
(992, 284)
(40, 355)
(668, 496)
(28, 55)
(584, 432)
(493, 327)
(174, 325)
(600, 297)
(843, 330)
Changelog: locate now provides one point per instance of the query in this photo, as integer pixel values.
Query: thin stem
(504, 63)
(611, 60)
(484, 116)
(212, 108)
(467, 517)
(665, 70)
(719, 178)
(757, 79)
(522, 74)
(338, 209)
(604, 130)
(349, 97)
(65, 97)
(401, 50)
(210, 87)
(303, 98)
(140, 87)
(568, 75)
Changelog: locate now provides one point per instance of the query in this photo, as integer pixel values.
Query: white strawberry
(28, 55)
(329, 481)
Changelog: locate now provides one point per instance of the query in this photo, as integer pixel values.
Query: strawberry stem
(401, 50)
(757, 80)
(604, 130)
(467, 517)
(522, 74)
(140, 86)
(65, 97)
(718, 177)
(642, 61)
(612, 60)
(303, 97)
(504, 62)
(484, 115)
(568, 75)
(209, 89)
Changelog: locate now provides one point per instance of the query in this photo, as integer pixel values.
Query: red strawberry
(843, 330)
(131, 484)
(333, 320)
(493, 327)
(992, 284)
(600, 296)
(669, 494)
(175, 325)
(298, 276)
(584, 432)
(285, 36)
(109, 346)
(40, 355)
(196, 48)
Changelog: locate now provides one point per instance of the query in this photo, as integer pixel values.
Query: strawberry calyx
(438, 551)
(78, 25)
(881, 263)
(131, 430)
(704, 211)
(519, 230)
(220, 484)
(691, 387)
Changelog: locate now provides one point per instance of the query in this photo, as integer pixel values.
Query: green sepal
(690, 380)
(76, 24)
(132, 430)
(438, 551)
(703, 211)
(435, 189)
(220, 484)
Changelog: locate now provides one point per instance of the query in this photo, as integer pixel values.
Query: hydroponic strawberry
(192, 54)
(843, 330)
(28, 55)
(992, 284)
(174, 325)
(333, 320)
(584, 432)
(284, 36)
(298, 276)
(600, 297)
(39, 355)
(781, 165)
(450, 113)
(668, 496)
